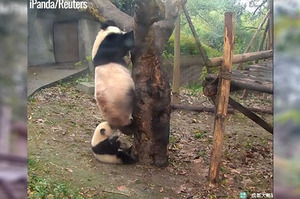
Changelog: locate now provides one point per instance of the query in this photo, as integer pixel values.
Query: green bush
(188, 46)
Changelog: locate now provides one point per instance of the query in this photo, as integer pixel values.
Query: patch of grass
(86, 78)
(31, 162)
(173, 141)
(39, 187)
(88, 58)
(201, 153)
(210, 140)
(43, 188)
(195, 89)
(78, 64)
(63, 84)
(212, 197)
(249, 143)
(227, 154)
(263, 140)
(223, 169)
(32, 100)
(199, 134)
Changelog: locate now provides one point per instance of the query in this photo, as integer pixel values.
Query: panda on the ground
(114, 87)
(106, 146)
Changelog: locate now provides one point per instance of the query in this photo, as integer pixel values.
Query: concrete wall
(87, 31)
(40, 42)
(189, 72)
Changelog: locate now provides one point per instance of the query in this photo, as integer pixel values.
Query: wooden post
(5, 118)
(222, 97)
(271, 28)
(176, 70)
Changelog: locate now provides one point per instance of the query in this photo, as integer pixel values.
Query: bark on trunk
(152, 113)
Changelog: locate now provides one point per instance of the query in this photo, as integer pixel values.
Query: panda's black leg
(128, 129)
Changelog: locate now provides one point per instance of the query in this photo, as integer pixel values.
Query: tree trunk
(152, 112)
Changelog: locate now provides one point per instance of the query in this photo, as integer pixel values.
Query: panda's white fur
(106, 146)
(114, 87)
(111, 94)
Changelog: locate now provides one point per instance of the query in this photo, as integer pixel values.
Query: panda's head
(106, 147)
(111, 44)
(101, 133)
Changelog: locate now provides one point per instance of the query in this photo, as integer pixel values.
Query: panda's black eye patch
(102, 131)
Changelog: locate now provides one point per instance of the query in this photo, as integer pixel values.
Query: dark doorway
(66, 42)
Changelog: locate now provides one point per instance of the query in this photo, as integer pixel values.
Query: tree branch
(146, 13)
(103, 10)
(164, 28)
(259, 7)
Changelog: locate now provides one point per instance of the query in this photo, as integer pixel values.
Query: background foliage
(208, 19)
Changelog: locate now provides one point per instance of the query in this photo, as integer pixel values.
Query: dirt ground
(61, 121)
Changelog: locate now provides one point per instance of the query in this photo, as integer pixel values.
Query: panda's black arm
(107, 146)
(115, 143)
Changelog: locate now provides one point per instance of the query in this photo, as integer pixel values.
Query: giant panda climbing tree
(153, 24)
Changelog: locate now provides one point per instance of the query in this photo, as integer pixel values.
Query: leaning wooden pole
(222, 97)
(198, 43)
(257, 31)
(176, 69)
(255, 35)
(261, 45)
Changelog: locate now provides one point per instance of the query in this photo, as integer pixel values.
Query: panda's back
(114, 93)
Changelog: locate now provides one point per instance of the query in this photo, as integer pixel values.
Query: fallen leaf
(69, 170)
(161, 190)
(122, 188)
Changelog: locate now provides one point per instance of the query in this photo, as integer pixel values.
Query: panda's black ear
(102, 131)
(129, 39)
(107, 23)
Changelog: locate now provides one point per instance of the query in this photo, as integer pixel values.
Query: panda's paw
(126, 157)
(127, 149)
(128, 130)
